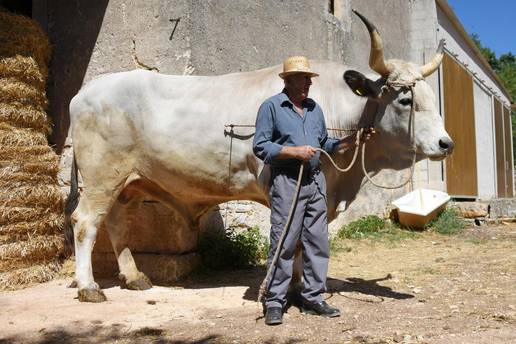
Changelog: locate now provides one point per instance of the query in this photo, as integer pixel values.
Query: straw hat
(295, 65)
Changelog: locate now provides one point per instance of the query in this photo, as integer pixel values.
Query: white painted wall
(485, 141)
(423, 35)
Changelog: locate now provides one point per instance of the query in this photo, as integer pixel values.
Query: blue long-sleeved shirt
(278, 124)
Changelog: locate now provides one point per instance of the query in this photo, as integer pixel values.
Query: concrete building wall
(486, 163)
(180, 37)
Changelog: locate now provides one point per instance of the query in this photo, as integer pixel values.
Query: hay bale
(37, 196)
(20, 93)
(36, 153)
(11, 215)
(32, 251)
(31, 205)
(16, 175)
(22, 68)
(25, 117)
(39, 273)
(12, 136)
(22, 36)
(19, 231)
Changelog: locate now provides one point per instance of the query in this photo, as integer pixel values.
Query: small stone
(151, 302)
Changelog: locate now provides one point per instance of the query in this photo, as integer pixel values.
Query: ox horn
(431, 66)
(376, 60)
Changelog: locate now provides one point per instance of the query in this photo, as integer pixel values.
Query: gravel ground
(428, 289)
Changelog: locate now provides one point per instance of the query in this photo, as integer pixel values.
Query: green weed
(233, 250)
(361, 228)
(373, 227)
(448, 222)
(337, 245)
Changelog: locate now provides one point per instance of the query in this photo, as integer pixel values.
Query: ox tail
(70, 205)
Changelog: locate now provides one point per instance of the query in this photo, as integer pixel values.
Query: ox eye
(405, 101)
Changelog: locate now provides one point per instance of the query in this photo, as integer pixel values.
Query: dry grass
(11, 215)
(31, 204)
(23, 254)
(47, 196)
(20, 35)
(26, 277)
(46, 225)
(37, 153)
(46, 167)
(25, 117)
(15, 91)
(15, 176)
(23, 68)
(12, 136)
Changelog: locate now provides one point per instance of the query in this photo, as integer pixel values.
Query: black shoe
(274, 316)
(320, 308)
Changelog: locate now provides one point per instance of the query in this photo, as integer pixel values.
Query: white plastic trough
(420, 206)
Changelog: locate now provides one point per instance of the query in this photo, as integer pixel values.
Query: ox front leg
(85, 232)
(130, 277)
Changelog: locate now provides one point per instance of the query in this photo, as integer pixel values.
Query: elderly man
(289, 128)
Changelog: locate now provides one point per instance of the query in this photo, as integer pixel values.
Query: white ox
(142, 133)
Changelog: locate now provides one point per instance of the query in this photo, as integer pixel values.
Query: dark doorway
(23, 7)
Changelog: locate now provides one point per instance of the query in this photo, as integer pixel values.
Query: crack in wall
(137, 61)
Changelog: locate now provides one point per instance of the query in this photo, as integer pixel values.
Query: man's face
(298, 85)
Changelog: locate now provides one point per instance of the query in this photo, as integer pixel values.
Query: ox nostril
(446, 144)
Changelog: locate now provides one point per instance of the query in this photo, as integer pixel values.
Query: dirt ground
(429, 289)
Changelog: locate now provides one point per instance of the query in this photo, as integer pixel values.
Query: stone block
(502, 208)
(161, 269)
(471, 210)
(154, 228)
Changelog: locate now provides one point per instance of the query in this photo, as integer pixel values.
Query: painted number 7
(176, 21)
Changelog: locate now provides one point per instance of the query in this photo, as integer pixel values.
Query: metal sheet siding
(461, 166)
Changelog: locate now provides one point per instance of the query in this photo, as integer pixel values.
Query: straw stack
(31, 205)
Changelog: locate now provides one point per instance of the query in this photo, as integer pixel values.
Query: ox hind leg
(116, 225)
(93, 207)
(89, 216)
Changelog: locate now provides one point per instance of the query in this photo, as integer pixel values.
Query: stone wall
(180, 37)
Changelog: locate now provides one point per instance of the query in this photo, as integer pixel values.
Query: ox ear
(360, 85)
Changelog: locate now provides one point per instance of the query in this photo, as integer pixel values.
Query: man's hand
(367, 134)
(303, 153)
(350, 141)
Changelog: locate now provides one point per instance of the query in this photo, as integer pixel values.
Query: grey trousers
(309, 224)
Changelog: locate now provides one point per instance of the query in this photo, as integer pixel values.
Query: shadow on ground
(99, 334)
(252, 278)
(367, 287)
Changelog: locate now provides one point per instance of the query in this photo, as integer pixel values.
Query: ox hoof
(91, 295)
(142, 282)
